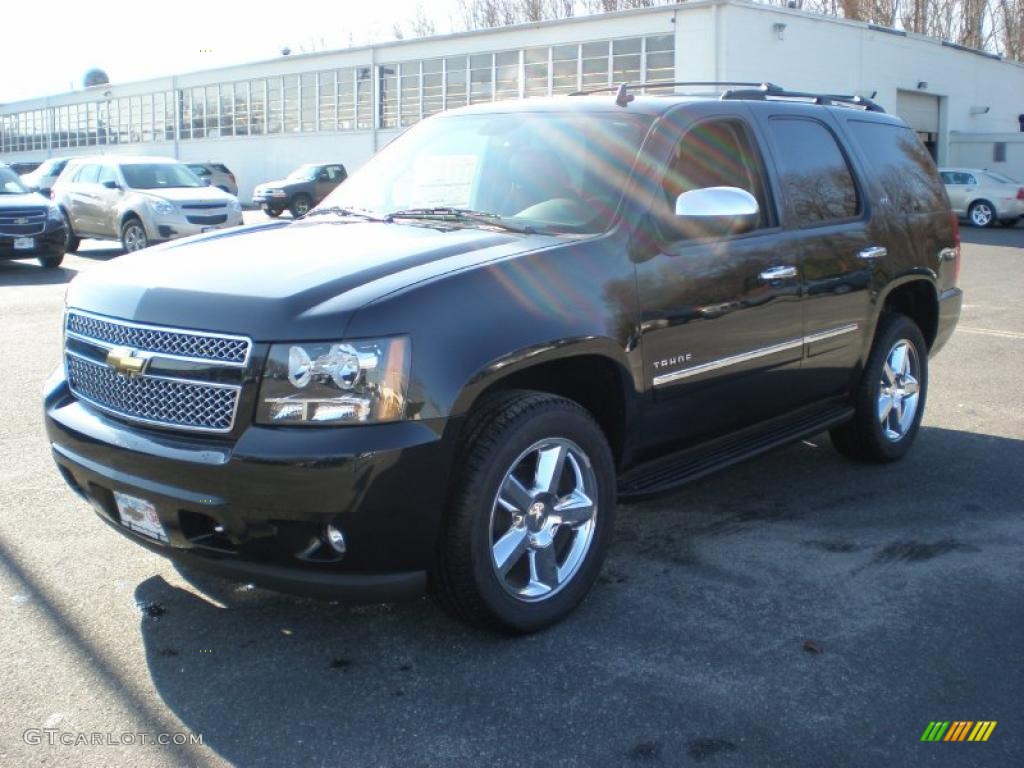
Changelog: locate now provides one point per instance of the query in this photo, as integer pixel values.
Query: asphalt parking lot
(798, 610)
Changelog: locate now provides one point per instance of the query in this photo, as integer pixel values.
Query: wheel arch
(586, 372)
(916, 297)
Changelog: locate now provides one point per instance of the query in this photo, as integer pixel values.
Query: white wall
(818, 53)
(976, 151)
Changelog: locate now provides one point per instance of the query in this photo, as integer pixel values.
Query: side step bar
(676, 469)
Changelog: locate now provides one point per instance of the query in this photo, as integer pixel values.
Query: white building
(265, 118)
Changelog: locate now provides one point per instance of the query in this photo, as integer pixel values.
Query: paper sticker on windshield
(444, 180)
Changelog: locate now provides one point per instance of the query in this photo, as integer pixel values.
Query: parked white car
(139, 201)
(984, 197)
(42, 179)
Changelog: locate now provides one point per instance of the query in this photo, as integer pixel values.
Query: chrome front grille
(162, 402)
(199, 346)
(22, 221)
(190, 380)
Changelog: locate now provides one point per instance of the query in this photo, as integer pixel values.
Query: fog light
(336, 539)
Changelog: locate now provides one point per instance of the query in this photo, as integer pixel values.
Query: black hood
(284, 280)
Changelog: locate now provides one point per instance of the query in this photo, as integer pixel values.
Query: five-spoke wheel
(542, 520)
(899, 390)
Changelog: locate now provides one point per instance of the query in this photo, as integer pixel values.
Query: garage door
(920, 110)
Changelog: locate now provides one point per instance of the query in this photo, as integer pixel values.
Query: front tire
(133, 235)
(530, 514)
(889, 402)
(300, 206)
(981, 214)
(51, 260)
(71, 240)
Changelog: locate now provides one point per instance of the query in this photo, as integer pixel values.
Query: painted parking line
(990, 332)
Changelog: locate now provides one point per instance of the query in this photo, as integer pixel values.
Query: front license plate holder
(139, 516)
(24, 243)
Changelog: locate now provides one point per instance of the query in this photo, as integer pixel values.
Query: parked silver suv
(217, 175)
(139, 201)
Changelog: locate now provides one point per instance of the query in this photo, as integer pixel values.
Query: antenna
(623, 96)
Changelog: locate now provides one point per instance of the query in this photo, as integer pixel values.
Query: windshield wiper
(337, 210)
(447, 213)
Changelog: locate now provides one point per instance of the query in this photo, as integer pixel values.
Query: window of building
(626, 60)
(307, 102)
(596, 64)
(327, 117)
(817, 184)
(257, 107)
(275, 115)
(506, 75)
(455, 82)
(481, 78)
(227, 109)
(433, 87)
(660, 58)
(999, 152)
(564, 68)
(291, 104)
(364, 98)
(410, 96)
(241, 109)
(536, 70)
(346, 99)
(388, 94)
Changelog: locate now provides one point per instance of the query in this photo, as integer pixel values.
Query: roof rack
(735, 90)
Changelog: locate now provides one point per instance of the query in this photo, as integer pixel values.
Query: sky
(47, 48)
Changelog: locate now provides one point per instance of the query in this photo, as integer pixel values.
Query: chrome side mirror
(719, 210)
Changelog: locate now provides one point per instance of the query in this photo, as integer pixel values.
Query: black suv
(30, 225)
(303, 188)
(446, 375)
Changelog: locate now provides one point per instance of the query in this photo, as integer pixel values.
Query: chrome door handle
(873, 252)
(778, 273)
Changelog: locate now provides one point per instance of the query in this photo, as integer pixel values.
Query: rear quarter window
(902, 165)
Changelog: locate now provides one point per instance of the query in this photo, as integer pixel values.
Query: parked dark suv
(30, 225)
(303, 188)
(445, 375)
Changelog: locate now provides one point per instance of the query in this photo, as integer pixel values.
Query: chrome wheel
(133, 236)
(543, 518)
(300, 207)
(982, 214)
(900, 391)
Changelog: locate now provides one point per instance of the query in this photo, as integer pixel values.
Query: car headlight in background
(162, 207)
(335, 382)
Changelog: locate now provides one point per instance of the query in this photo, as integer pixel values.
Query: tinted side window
(713, 153)
(816, 179)
(221, 168)
(88, 174)
(947, 177)
(904, 167)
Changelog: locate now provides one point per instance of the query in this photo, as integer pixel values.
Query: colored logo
(958, 730)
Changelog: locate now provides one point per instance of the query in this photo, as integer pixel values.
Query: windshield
(10, 184)
(561, 172)
(1001, 178)
(303, 173)
(159, 176)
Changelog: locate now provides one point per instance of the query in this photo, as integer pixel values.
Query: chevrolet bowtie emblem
(21, 221)
(123, 360)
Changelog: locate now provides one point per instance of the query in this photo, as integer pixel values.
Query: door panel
(722, 337)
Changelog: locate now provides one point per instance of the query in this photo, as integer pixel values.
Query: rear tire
(523, 542)
(981, 214)
(889, 401)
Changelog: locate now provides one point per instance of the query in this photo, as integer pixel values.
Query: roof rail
(735, 90)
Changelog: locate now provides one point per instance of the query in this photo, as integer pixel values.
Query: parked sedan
(140, 201)
(216, 175)
(303, 188)
(30, 226)
(984, 197)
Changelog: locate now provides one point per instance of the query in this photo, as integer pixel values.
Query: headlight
(162, 207)
(235, 206)
(335, 382)
(278, 193)
(54, 215)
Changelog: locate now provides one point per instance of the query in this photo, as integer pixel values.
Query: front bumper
(950, 302)
(247, 509)
(263, 199)
(173, 226)
(50, 242)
